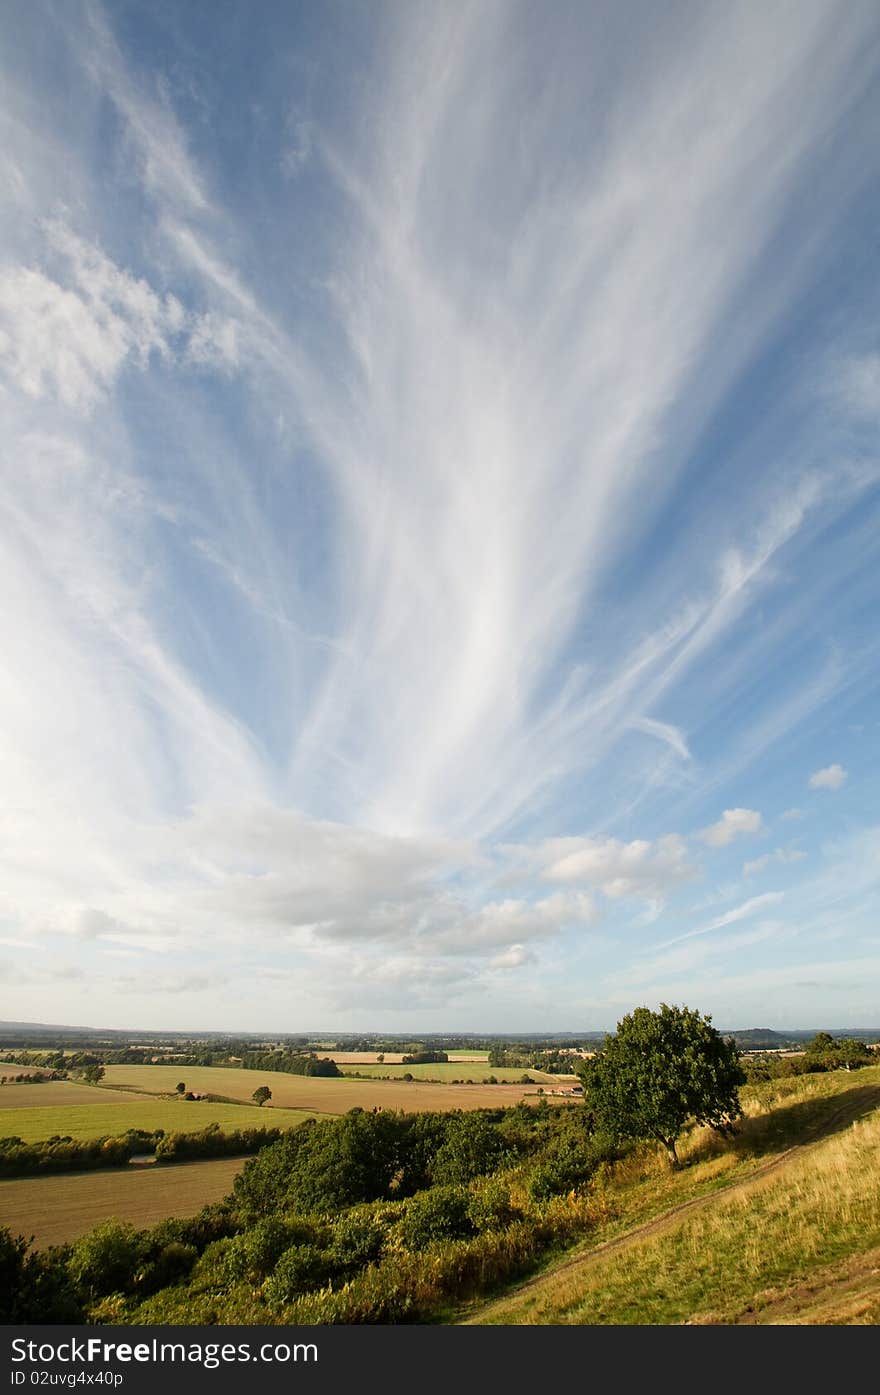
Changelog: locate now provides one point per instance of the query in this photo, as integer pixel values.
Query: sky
(439, 513)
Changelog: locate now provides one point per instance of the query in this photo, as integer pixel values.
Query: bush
(108, 1259)
(173, 1263)
(253, 1254)
(35, 1287)
(358, 1240)
(471, 1148)
(492, 1208)
(300, 1268)
(443, 1213)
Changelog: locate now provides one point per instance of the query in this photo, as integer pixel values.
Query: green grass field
(57, 1209)
(447, 1071)
(393, 1057)
(137, 1112)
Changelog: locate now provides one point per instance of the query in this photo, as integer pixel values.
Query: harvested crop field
(319, 1094)
(57, 1209)
(137, 1112)
(59, 1092)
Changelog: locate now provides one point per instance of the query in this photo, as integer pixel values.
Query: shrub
(358, 1240)
(253, 1254)
(443, 1213)
(108, 1259)
(173, 1262)
(492, 1208)
(300, 1268)
(471, 1148)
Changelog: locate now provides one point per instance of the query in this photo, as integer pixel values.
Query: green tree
(660, 1069)
(261, 1095)
(180, 1087)
(92, 1074)
(471, 1147)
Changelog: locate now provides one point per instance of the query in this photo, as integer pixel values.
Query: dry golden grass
(57, 1209)
(749, 1255)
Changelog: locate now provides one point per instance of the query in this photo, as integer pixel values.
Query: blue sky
(439, 514)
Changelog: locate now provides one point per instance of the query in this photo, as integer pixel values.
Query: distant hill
(747, 1038)
(765, 1038)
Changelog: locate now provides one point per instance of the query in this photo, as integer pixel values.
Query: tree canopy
(657, 1071)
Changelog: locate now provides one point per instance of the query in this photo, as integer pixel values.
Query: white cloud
(512, 958)
(664, 731)
(71, 337)
(733, 824)
(501, 921)
(214, 342)
(784, 855)
(639, 868)
(830, 778)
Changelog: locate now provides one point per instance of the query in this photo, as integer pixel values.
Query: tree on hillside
(180, 1087)
(92, 1074)
(657, 1071)
(261, 1095)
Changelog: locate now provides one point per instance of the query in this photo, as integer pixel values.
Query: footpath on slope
(846, 1113)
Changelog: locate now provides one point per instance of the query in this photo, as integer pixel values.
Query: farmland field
(10, 1069)
(447, 1071)
(57, 1209)
(59, 1092)
(136, 1112)
(391, 1058)
(319, 1094)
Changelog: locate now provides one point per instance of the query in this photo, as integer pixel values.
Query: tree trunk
(669, 1145)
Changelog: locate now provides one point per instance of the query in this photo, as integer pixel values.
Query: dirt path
(844, 1114)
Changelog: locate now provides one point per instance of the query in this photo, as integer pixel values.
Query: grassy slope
(57, 1209)
(790, 1241)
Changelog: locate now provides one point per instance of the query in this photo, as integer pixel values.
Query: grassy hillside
(780, 1225)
